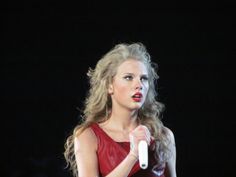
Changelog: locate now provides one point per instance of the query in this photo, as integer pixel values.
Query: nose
(138, 85)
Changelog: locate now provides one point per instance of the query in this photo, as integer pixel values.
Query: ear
(110, 89)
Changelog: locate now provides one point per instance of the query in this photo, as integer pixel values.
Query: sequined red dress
(111, 153)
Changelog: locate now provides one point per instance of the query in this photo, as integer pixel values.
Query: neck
(123, 120)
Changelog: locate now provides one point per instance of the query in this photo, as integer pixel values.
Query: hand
(139, 133)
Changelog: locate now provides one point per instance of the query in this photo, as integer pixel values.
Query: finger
(144, 128)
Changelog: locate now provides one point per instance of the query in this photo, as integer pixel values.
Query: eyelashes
(144, 78)
(130, 78)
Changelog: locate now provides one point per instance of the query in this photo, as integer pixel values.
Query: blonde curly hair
(98, 101)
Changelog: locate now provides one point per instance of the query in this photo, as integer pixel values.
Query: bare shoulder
(169, 133)
(171, 163)
(85, 147)
(85, 139)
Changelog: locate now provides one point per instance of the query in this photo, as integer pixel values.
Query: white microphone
(143, 154)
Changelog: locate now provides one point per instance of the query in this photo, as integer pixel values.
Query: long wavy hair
(98, 104)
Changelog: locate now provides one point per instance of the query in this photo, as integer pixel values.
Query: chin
(137, 106)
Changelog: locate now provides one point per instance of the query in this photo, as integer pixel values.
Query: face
(130, 85)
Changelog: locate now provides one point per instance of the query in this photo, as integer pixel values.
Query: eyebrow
(134, 74)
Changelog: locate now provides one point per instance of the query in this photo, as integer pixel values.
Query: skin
(131, 77)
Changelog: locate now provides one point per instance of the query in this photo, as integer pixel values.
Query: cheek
(121, 89)
(146, 88)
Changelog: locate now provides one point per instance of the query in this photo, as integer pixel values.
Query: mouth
(137, 97)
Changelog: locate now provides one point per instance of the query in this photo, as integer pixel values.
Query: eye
(144, 78)
(128, 77)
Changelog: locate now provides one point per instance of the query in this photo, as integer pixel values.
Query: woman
(120, 111)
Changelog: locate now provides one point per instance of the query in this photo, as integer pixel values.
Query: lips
(137, 97)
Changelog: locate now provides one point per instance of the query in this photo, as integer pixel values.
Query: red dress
(111, 153)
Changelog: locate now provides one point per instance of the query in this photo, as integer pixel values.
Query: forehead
(132, 66)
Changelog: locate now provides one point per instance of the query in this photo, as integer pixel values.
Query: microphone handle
(143, 154)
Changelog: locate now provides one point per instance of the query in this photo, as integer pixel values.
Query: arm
(85, 146)
(124, 168)
(171, 163)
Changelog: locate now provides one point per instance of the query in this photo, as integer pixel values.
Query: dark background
(49, 46)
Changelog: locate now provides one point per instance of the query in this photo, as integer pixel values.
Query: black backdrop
(49, 46)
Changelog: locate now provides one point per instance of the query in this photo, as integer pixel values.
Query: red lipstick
(137, 97)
